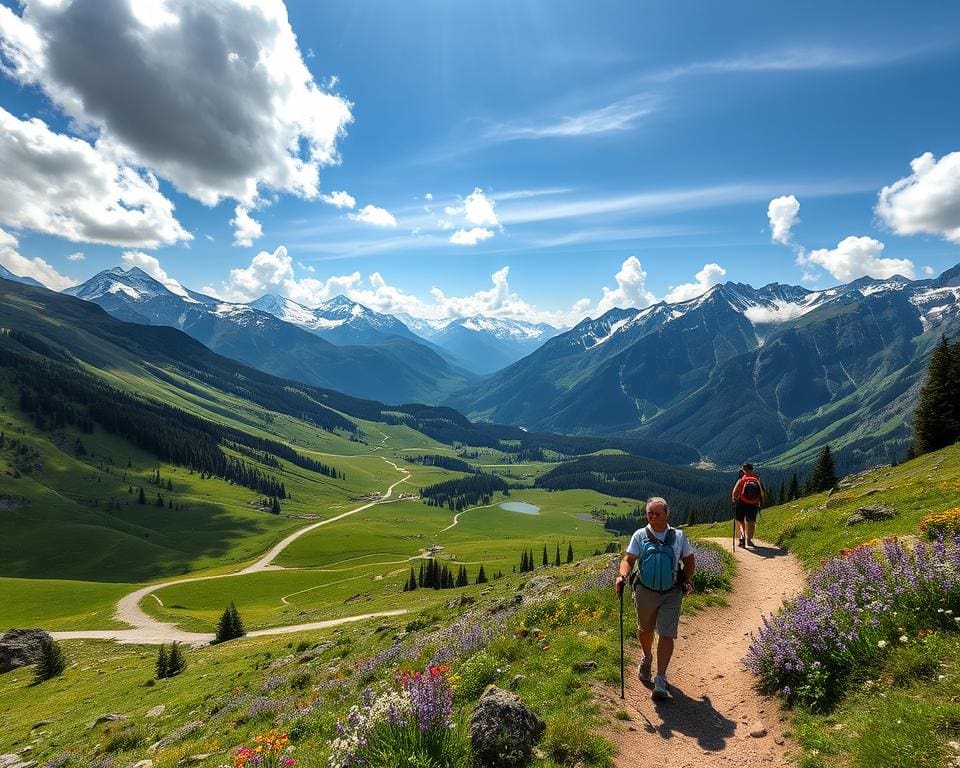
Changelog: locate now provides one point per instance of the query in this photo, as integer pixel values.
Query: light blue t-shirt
(681, 546)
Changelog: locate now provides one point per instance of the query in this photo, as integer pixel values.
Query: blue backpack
(656, 564)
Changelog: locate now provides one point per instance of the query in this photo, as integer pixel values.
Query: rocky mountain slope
(739, 372)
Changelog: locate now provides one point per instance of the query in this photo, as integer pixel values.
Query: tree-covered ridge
(56, 394)
(694, 495)
(464, 492)
(444, 462)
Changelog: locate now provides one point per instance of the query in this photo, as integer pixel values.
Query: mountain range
(6, 274)
(739, 373)
(393, 368)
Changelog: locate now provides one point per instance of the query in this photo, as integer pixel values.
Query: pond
(521, 506)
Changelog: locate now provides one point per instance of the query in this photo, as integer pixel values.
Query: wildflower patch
(857, 608)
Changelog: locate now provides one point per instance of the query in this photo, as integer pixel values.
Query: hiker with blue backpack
(659, 565)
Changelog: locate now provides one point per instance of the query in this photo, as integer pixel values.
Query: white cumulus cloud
(478, 210)
(246, 229)
(212, 95)
(783, 215)
(706, 278)
(339, 199)
(63, 186)
(631, 290)
(927, 201)
(36, 268)
(858, 257)
(151, 265)
(78, 256)
(273, 272)
(377, 217)
(470, 236)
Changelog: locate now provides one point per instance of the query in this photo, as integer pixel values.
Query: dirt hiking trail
(714, 706)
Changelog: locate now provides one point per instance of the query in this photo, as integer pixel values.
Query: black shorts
(746, 512)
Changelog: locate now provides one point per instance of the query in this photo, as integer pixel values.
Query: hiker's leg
(646, 642)
(664, 652)
(668, 625)
(751, 528)
(646, 603)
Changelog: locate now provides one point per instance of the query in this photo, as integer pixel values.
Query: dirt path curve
(146, 629)
(714, 707)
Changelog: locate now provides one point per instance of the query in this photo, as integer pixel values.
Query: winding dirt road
(146, 629)
(714, 708)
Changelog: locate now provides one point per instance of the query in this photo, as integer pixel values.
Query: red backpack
(751, 491)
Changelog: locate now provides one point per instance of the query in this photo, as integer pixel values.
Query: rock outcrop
(503, 730)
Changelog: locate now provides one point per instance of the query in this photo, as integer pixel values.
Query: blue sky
(537, 160)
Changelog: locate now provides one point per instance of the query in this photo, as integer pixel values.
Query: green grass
(56, 604)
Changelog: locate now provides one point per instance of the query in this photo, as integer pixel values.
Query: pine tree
(481, 576)
(570, 552)
(236, 622)
(159, 502)
(52, 661)
(420, 579)
(935, 418)
(556, 559)
(176, 662)
(782, 497)
(142, 498)
(462, 579)
(793, 491)
(523, 561)
(546, 560)
(275, 506)
(162, 668)
(230, 625)
(824, 475)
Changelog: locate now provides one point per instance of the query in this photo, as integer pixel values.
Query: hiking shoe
(660, 692)
(749, 542)
(644, 670)
(743, 541)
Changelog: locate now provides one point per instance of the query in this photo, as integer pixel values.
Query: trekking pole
(621, 645)
(734, 531)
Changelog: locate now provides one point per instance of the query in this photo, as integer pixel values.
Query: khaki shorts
(660, 611)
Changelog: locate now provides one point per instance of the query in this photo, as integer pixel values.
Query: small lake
(521, 506)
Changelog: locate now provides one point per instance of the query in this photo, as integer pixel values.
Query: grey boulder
(503, 730)
(21, 647)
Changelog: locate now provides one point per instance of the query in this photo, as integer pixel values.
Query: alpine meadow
(501, 384)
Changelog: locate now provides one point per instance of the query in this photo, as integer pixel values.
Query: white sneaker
(660, 692)
(645, 669)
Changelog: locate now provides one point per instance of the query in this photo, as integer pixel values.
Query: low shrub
(857, 607)
(124, 739)
(568, 740)
(475, 674)
(941, 524)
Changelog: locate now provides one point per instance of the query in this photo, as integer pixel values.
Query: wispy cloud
(622, 115)
(658, 201)
(797, 59)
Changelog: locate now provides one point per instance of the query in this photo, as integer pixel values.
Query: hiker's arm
(735, 494)
(689, 566)
(626, 566)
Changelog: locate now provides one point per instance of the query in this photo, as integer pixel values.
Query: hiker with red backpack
(659, 564)
(747, 498)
